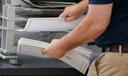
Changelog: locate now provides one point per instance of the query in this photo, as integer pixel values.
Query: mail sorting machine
(15, 14)
(8, 17)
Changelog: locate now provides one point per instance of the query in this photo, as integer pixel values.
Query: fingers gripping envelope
(78, 58)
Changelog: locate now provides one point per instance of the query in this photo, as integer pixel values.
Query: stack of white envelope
(78, 58)
(51, 24)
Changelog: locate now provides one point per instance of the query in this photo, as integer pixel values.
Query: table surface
(37, 66)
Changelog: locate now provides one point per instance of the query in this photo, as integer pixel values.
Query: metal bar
(10, 34)
(3, 38)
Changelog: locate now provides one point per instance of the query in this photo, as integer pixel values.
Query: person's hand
(54, 50)
(72, 12)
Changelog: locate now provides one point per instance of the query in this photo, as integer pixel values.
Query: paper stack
(51, 24)
(78, 58)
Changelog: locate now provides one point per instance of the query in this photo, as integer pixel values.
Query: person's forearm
(94, 24)
(83, 33)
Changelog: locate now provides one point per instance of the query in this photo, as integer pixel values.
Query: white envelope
(78, 58)
(50, 24)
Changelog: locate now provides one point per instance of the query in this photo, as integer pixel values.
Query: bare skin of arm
(93, 25)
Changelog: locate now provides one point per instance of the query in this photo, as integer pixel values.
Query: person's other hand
(71, 12)
(54, 50)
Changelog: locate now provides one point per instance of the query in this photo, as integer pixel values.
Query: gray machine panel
(37, 66)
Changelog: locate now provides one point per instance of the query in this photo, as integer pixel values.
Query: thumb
(44, 51)
(63, 14)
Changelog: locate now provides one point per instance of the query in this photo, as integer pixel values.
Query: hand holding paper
(53, 50)
(78, 58)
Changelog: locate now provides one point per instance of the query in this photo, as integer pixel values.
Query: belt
(115, 48)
